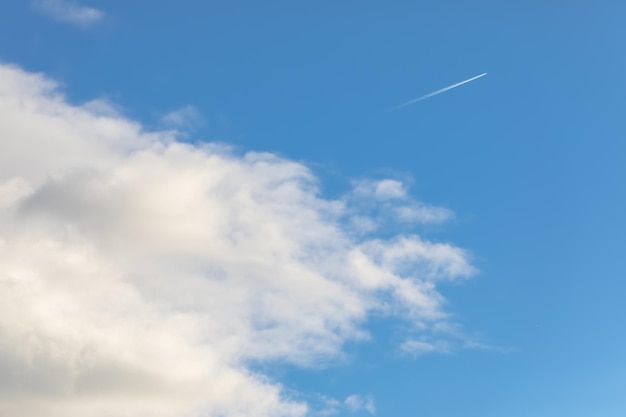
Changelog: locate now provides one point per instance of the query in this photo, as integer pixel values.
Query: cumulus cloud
(69, 12)
(140, 276)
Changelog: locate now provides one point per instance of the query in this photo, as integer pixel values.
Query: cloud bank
(141, 276)
(69, 12)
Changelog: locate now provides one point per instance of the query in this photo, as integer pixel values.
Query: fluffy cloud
(139, 276)
(68, 11)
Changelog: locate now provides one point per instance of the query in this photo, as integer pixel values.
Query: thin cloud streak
(443, 90)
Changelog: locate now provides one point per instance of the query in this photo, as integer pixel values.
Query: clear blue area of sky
(532, 158)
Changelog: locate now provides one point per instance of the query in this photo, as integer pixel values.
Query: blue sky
(529, 158)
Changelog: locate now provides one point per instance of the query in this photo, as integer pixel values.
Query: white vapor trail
(434, 93)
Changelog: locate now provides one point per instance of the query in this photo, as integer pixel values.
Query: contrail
(434, 93)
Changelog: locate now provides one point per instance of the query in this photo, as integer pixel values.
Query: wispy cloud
(422, 347)
(69, 12)
(443, 90)
(140, 275)
(185, 118)
(447, 337)
(387, 201)
(357, 403)
(324, 406)
(386, 189)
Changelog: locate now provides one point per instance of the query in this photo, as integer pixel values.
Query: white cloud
(446, 337)
(404, 255)
(186, 117)
(68, 11)
(376, 203)
(386, 189)
(139, 275)
(422, 347)
(356, 403)
(103, 107)
(420, 213)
